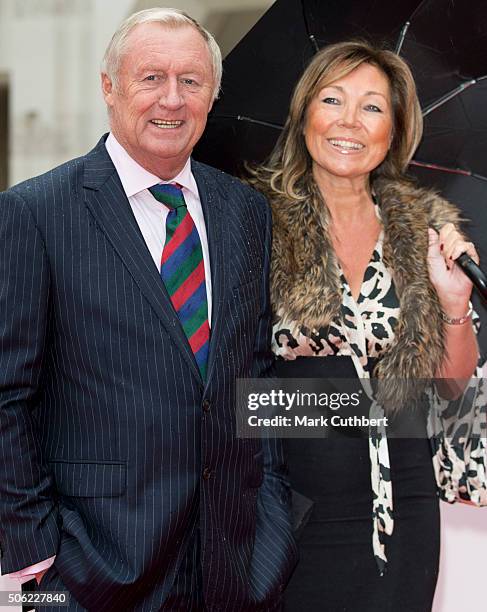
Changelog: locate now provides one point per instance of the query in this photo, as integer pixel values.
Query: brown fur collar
(305, 282)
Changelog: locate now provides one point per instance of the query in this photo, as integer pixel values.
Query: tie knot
(169, 194)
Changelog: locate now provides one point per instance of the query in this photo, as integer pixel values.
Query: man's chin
(165, 162)
(167, 149)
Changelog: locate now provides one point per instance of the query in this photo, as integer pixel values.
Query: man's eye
(373, 108)
(330, 100)
(151, 77)
(189, 82)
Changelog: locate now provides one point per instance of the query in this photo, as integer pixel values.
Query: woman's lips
(346, 146)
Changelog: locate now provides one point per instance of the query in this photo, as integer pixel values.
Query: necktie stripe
(202, 354)
(183, 271)
(199, 338)
(180, 267)
(184, 250)
(169, 194)
(186, 289)
(172, 201)
(202, 360)
(192, 310)
(175, 238)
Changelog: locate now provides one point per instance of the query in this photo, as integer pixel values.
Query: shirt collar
(135, 178)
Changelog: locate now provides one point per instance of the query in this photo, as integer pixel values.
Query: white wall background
(461, 586)
(50, 52)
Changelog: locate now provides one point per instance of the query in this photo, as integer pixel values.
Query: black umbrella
(445, 44)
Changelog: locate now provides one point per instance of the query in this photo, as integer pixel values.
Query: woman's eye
(373, 108)
(330, 100)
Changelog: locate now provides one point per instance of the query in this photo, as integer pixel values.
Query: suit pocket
(84, 479)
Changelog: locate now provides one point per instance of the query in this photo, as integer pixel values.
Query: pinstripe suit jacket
(106, 425)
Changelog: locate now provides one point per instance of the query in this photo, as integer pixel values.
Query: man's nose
(171, 96)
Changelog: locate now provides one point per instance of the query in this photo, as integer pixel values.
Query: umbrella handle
(474, 273)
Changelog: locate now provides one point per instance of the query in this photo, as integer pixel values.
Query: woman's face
(348, 125)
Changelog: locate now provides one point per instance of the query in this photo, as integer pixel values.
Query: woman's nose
(350, 116)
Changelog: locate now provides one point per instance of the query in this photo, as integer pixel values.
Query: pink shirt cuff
(26, 574)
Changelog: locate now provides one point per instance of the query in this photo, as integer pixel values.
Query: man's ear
(107, 88)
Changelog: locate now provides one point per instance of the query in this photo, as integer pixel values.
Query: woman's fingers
(453, 244)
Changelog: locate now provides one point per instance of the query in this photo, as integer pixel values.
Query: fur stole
(305, 281)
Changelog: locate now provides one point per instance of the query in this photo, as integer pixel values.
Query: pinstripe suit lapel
(213, 203)
(107, 202)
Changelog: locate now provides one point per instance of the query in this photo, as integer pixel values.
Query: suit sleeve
(274, 540)
(263, 361)
(28, 517)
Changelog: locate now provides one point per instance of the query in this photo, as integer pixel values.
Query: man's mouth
(346, 145)
(166, 125)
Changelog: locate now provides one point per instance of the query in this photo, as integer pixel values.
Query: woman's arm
(454, 289)
(462, 352)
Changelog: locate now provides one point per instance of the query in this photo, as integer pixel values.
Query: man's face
(165, 91)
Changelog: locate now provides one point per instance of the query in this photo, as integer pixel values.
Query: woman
(364, 284)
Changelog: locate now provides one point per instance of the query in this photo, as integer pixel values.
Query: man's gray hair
(169, 17)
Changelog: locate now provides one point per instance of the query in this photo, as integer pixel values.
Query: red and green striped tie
(183, 271)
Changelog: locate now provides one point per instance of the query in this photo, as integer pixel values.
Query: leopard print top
(364, 331)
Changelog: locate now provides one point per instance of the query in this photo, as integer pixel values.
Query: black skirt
(337, 569)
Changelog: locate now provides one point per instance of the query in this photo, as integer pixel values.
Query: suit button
(206, 405)
(206, 473)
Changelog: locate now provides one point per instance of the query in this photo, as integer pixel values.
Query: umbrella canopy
(444, 43)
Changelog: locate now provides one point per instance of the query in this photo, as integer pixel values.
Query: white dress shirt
(151, 214)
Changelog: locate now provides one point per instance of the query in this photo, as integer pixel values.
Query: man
(133, 293)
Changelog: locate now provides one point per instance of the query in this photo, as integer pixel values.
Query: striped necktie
(183, 271)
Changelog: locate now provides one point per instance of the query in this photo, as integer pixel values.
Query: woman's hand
(452, 285)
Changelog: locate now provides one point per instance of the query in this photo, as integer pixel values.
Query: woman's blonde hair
(290, 162)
